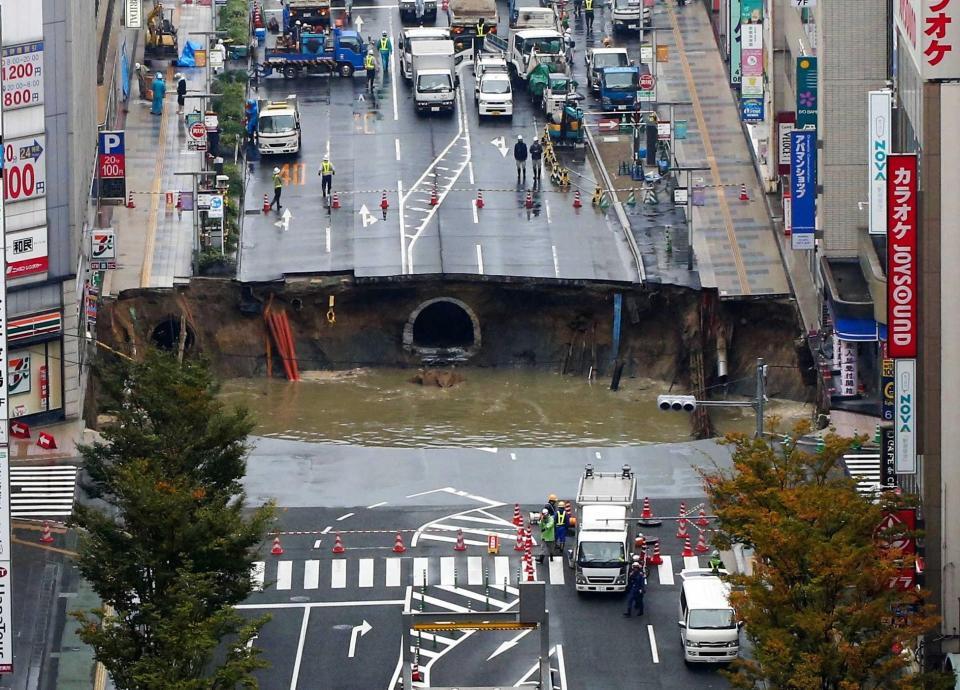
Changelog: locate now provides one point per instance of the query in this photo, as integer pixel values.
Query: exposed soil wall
(549, 327)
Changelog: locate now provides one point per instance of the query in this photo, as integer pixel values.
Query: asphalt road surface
(379, 145)
(336, 618)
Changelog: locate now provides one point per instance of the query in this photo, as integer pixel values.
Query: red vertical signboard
(902, 262)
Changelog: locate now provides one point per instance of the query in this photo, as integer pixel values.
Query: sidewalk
(154, 245)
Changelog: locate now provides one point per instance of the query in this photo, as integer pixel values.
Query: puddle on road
(492, 407)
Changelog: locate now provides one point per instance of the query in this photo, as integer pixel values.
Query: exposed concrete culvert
(442, 329)
(166, 334)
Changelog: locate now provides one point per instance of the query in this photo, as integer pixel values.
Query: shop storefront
(35, 366)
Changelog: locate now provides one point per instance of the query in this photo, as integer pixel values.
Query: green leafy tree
(818, 607)
(171, 555)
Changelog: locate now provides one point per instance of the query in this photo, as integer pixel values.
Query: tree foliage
(171, 555)
(818, 607)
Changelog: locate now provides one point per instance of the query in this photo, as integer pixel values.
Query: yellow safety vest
(326, 168)
(588, 5)
(561, 514)
(384, 45)
(480, 29)
(277, 182)
(368, 62)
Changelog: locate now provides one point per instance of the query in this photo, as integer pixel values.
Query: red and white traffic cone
(701, 543)
(277, 549)
(743, 193)
(398, 546)
(130, 203)
(266, 204)
(687, 551)
(702, 521)
(517, 515)
(433, 196)
(682, 530)
(384, 204)
(338, 544)
(521, 539)
(336, 201)
(479, 198)
(647, 512)
(528, 202)
(417, 674)
(577, 202)
(656, 558)
(460, 545)
(47, 536)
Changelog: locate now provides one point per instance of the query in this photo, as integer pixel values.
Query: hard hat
(276, 171)
(136, 65)
(383, 33)
(544, 512)
(326, 158)
(636, 558)
(519, 137)
(716, 554)
(551, 497)
(635, 566)
(298, 22)
(159, 76)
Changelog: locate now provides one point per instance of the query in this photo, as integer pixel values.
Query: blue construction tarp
(187, 57)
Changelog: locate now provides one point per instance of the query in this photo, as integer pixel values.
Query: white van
(709, 630)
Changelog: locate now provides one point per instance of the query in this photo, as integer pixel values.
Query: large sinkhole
(166, 335)
(442, 329)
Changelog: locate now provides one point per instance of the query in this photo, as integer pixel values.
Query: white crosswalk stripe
(43, 491)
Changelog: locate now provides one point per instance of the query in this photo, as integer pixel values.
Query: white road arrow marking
(284, 222)
(358, 631)
(360, 98)
(501, 144)
(509, 644)
(358, 22)
(367, 217)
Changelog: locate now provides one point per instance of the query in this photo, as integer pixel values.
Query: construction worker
(547, 535)
(520, 157)
(326, 173)
(636, 588)
(478, 41)
(715, 563)
(536, 153)
(588, 14)
(159, 91)
(277, 188)
(370, 64)
(220, 61)
(181, 91)
(562, 514)
(385, 47)
(551, 504)
(143, 73)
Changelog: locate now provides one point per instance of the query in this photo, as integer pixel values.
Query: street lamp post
(690, 170)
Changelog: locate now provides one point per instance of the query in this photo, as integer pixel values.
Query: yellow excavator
(161, 35)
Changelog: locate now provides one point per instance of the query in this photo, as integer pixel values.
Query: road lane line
(501, 571)
(299, 658)
(653, 644)
(403, 241)
(556, 261)
(365, 578)
(328, 240)
(561, 668)
(393, 573)
(556, 570)
(546, 206)
(311, 574)
(441, 639)
(338, 574)
(152, 220)
(489, 520)
(440, 603)
(470, 530)
(470, 170)
(665, 570)
(397, 144)
(691, 563)
(319, 604)
(474, 570)
(344, 517)
(257, 572)
(393, 76)
(447, 567)
(377, 505)
(452, 540)
(326, 529)
(421, 571)
(473, 207)
(316, 544)
(480, 259)
(284, 575)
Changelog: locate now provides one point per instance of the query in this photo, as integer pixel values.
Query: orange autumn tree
(818, 608)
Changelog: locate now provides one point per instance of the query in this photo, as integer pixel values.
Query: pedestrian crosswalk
(865, 469)
(398, 571)
(42, 491)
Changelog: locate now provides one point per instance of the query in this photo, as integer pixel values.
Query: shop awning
(859, 330)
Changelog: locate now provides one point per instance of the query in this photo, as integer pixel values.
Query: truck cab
(409, 37)
(599, 58)
(709, 630)
(630, 15)
(434, 77)
(313, 14)
(278, 126)
(408, 11)
(532, 47)
(619, 87)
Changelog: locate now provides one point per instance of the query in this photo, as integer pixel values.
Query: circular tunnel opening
(166, 335)
(443, 324)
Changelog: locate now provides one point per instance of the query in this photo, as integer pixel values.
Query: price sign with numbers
(22, 74)
(25, 168)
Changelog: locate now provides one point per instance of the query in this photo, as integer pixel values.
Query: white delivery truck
(606, 521)
(409, 37)
(630, 15)
(434, 77)
(278, 126)
(494, 94)
(709, 629)
(598, 58)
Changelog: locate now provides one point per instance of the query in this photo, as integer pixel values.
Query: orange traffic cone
(528, 202)
(46, 537)
(520, 540)
(384, 204)
(417, 674)
(479, 198)
(460, 545)
(647, 511)
(336, 201)
(517, 516)
(577, 202)
(266, 204)
(130, 203)
(338, 544)
(277, 549)
(682, 530)
(656, 558)
(701, 543)
(702, 521)
(433, 196)
(743, 193)
(687, 551)
(398, 546)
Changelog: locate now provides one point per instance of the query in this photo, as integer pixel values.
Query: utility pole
(689, 209)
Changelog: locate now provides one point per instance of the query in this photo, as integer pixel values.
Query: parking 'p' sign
(25, 168)
(111, 161)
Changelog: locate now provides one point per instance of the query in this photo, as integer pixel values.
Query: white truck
(528, 48)
(434, 76)
(278, 126)
(606, 521)
(598, 58)
(409, 37)
(630, 15)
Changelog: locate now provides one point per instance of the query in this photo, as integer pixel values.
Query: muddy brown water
(492, 407)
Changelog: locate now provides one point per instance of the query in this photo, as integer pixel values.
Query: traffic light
(677, 403)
